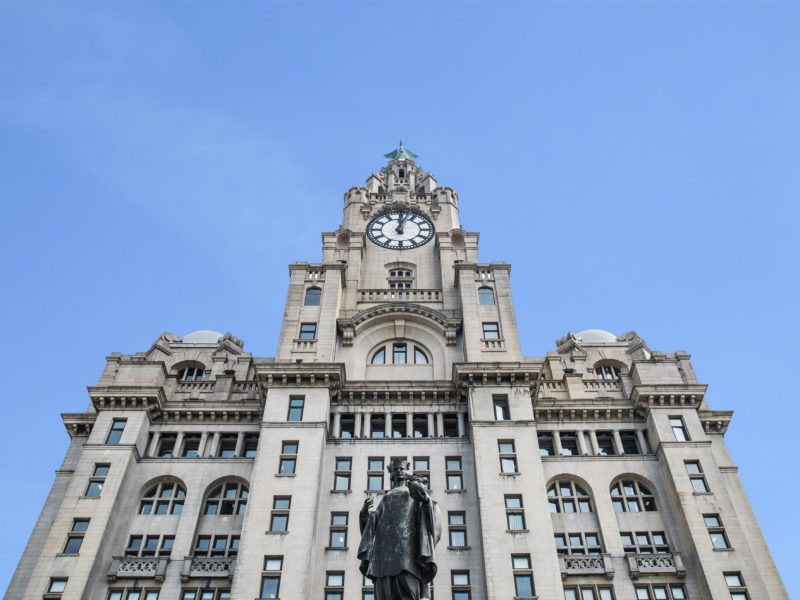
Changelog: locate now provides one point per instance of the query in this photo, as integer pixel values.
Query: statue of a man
(398, 539)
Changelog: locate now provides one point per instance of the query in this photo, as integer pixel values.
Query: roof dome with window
(202, 336)
(596, 336)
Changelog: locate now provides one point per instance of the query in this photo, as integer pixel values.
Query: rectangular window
(459, 582)
(342, 473)
(117, 427)
(191, 445)
(546, 445)
(644, 542)
(57, 585)
(501, 411)
(338, 533)
(577, 544)
(218, 546)
(97, 480)
(457, 523)
(717, 532)
(450, 425)
(515, 514)
(454, 473)
(696, 476)
(166, 445)
(491, 331)
(736, 586)
(398, 426)
(288, 459)
(377, 426)
(334, 585)
(399, 354)
(508, 456)
(523, 575)
(588, 592)
(227, 445)
(279, 518)
(679, 429)
(250, 445)
(375, 474)
(630, 445)
(420, 425)
(271, 576)
(605, 443)
(296, 408)
(76, 535)
(308, 331)
(661, 592)
(569, 443)
(347, 426)
(422, 468)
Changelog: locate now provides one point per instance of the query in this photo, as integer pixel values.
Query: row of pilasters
(363, 423)
(593, 449)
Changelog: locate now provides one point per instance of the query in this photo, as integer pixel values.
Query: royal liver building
(201, 472)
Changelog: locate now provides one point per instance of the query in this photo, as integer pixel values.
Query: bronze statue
(397, 549)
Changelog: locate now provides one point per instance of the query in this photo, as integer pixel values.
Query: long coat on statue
(397, 545)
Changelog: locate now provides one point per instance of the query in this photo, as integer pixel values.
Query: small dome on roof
(202, 336)
(596, 336)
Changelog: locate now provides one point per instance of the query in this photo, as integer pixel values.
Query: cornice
(467, 375)
(685, 395)
(585, 414)
(291, 374)
(79, 424)
(150, 399)
(400, 392)
(715, 421)
(350, 326)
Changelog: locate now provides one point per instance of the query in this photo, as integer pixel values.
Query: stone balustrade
(589, 564)
(207, 567)
(655, 564)
(400, 295)
(136, 567)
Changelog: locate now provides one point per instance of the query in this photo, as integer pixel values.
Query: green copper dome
(401, 153)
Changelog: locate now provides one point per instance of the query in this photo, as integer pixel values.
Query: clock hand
(402, 218)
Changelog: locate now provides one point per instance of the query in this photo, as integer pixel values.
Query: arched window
(313, 296)
(485, 295)
(227, 499)
(568, 497)
(379, 357)
(399, 353)
(192, 372)
(165, 498)
(629, 495)
(607, 371)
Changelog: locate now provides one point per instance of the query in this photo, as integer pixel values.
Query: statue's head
(398, 469)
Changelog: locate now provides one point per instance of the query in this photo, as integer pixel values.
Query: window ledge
(285, 474)
(54, 595)
(715, 550)
(62, 554)
(375, 492)
(88, 498)
(518, 530)
(332, 549)
(514, 474)
(459, 548)
(703, 493)
(341, 492)
(455, 491)
(276, 532)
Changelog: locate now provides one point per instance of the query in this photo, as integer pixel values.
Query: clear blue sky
(636, 162)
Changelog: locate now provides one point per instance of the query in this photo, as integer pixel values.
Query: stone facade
(595, 470)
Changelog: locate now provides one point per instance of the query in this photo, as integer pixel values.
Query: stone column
(212, 451)
(440, 424)
(581, 442)
(557, 442)
(154, 444)
(367, 425)
(239, 444)
(410, 425)
(431, 431)
(593, 440)
(618, 442)
(201, 449)
(643, 448)
(178, 443)
(387, 425)
(460, 424)
(357, 425)
(337, 424)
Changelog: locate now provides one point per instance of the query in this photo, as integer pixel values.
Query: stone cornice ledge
(279, 374)
(79, 424)
(715, 421)
(667, 395)
(150, 399)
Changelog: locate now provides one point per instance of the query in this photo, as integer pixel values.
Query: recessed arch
(189, 370)
(609, 369)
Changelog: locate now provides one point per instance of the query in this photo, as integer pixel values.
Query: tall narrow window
(459, 582)
(501, 411)
(250, 445)
(454, 473)
(191, 445)
(546, 444)
(375, 474)
(486, 295)
(313, 296)
(679, 429)
(342, 474)
(491, 331)
(515, 513)
(605, 443)
(696, 476)
(279, 519)
(629, 443)
(76, 535)
(508, 456)
(399, 352)
(334, 585)
(523, 575)
(716, 531)
(271, 576)
(420, 425)
(117, 427)
(422, 468)
(569, 443)
(288, 460)
(736, 586)
(457, 526)
(308, 331)
(97, 480)
(296, 408)
(338, 533)
(227, 445)
(377, 426)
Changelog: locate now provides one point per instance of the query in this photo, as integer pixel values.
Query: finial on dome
(401, 153)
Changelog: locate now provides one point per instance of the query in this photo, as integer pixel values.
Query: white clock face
(400, 230)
